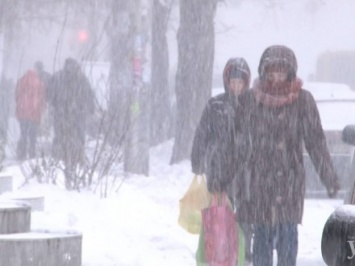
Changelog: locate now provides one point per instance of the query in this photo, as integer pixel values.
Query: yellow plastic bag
(195, 199)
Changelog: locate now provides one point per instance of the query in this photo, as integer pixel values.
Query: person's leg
(248, 235)
(32, 136)
(287, 244)
(60, 139)
(263, 245)
(75, 155)
(21, 151)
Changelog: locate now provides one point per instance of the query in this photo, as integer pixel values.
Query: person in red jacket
(30, 104)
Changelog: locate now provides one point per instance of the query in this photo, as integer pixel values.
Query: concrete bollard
(15, 217)
(43, 247)
(35, 202)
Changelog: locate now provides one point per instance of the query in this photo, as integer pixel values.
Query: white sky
(307, 27)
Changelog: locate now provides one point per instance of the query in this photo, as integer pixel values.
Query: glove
(333, 190)
(197, 170)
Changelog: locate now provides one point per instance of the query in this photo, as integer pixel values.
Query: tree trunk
(121, 43)
(194, 72)
(160, 102)
(7, 27)
(125, 105)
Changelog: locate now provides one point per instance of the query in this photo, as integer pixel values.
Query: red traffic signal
(83, 35)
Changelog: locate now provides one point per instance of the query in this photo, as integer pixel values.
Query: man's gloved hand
(333, 190)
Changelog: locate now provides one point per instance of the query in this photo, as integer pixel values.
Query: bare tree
(121, 41)
(160, 101)
(9, 13)
(194, 73)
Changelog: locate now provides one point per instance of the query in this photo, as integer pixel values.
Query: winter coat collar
(264, 95)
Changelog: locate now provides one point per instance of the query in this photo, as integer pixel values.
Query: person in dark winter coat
(43, 75)
(278, 115)
(30, 105)
(212, 153)
(72, 99)
(47, 120)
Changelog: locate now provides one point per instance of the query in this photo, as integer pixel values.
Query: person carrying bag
(213, 154)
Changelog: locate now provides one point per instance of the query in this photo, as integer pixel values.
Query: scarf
(276, 95)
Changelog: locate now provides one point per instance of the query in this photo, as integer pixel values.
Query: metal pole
(137, 146)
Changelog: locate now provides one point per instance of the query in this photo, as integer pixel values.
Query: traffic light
(83, 35)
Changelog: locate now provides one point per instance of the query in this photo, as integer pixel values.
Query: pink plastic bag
(220, 233)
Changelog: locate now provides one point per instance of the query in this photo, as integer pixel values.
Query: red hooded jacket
(30, 98)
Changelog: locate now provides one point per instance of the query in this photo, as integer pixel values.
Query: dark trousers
(248, 236)
(27, 144)
(286, 244)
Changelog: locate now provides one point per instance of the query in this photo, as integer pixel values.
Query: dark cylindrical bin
(338, 239)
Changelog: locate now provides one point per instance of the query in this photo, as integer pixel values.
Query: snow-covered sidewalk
(137, 225)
